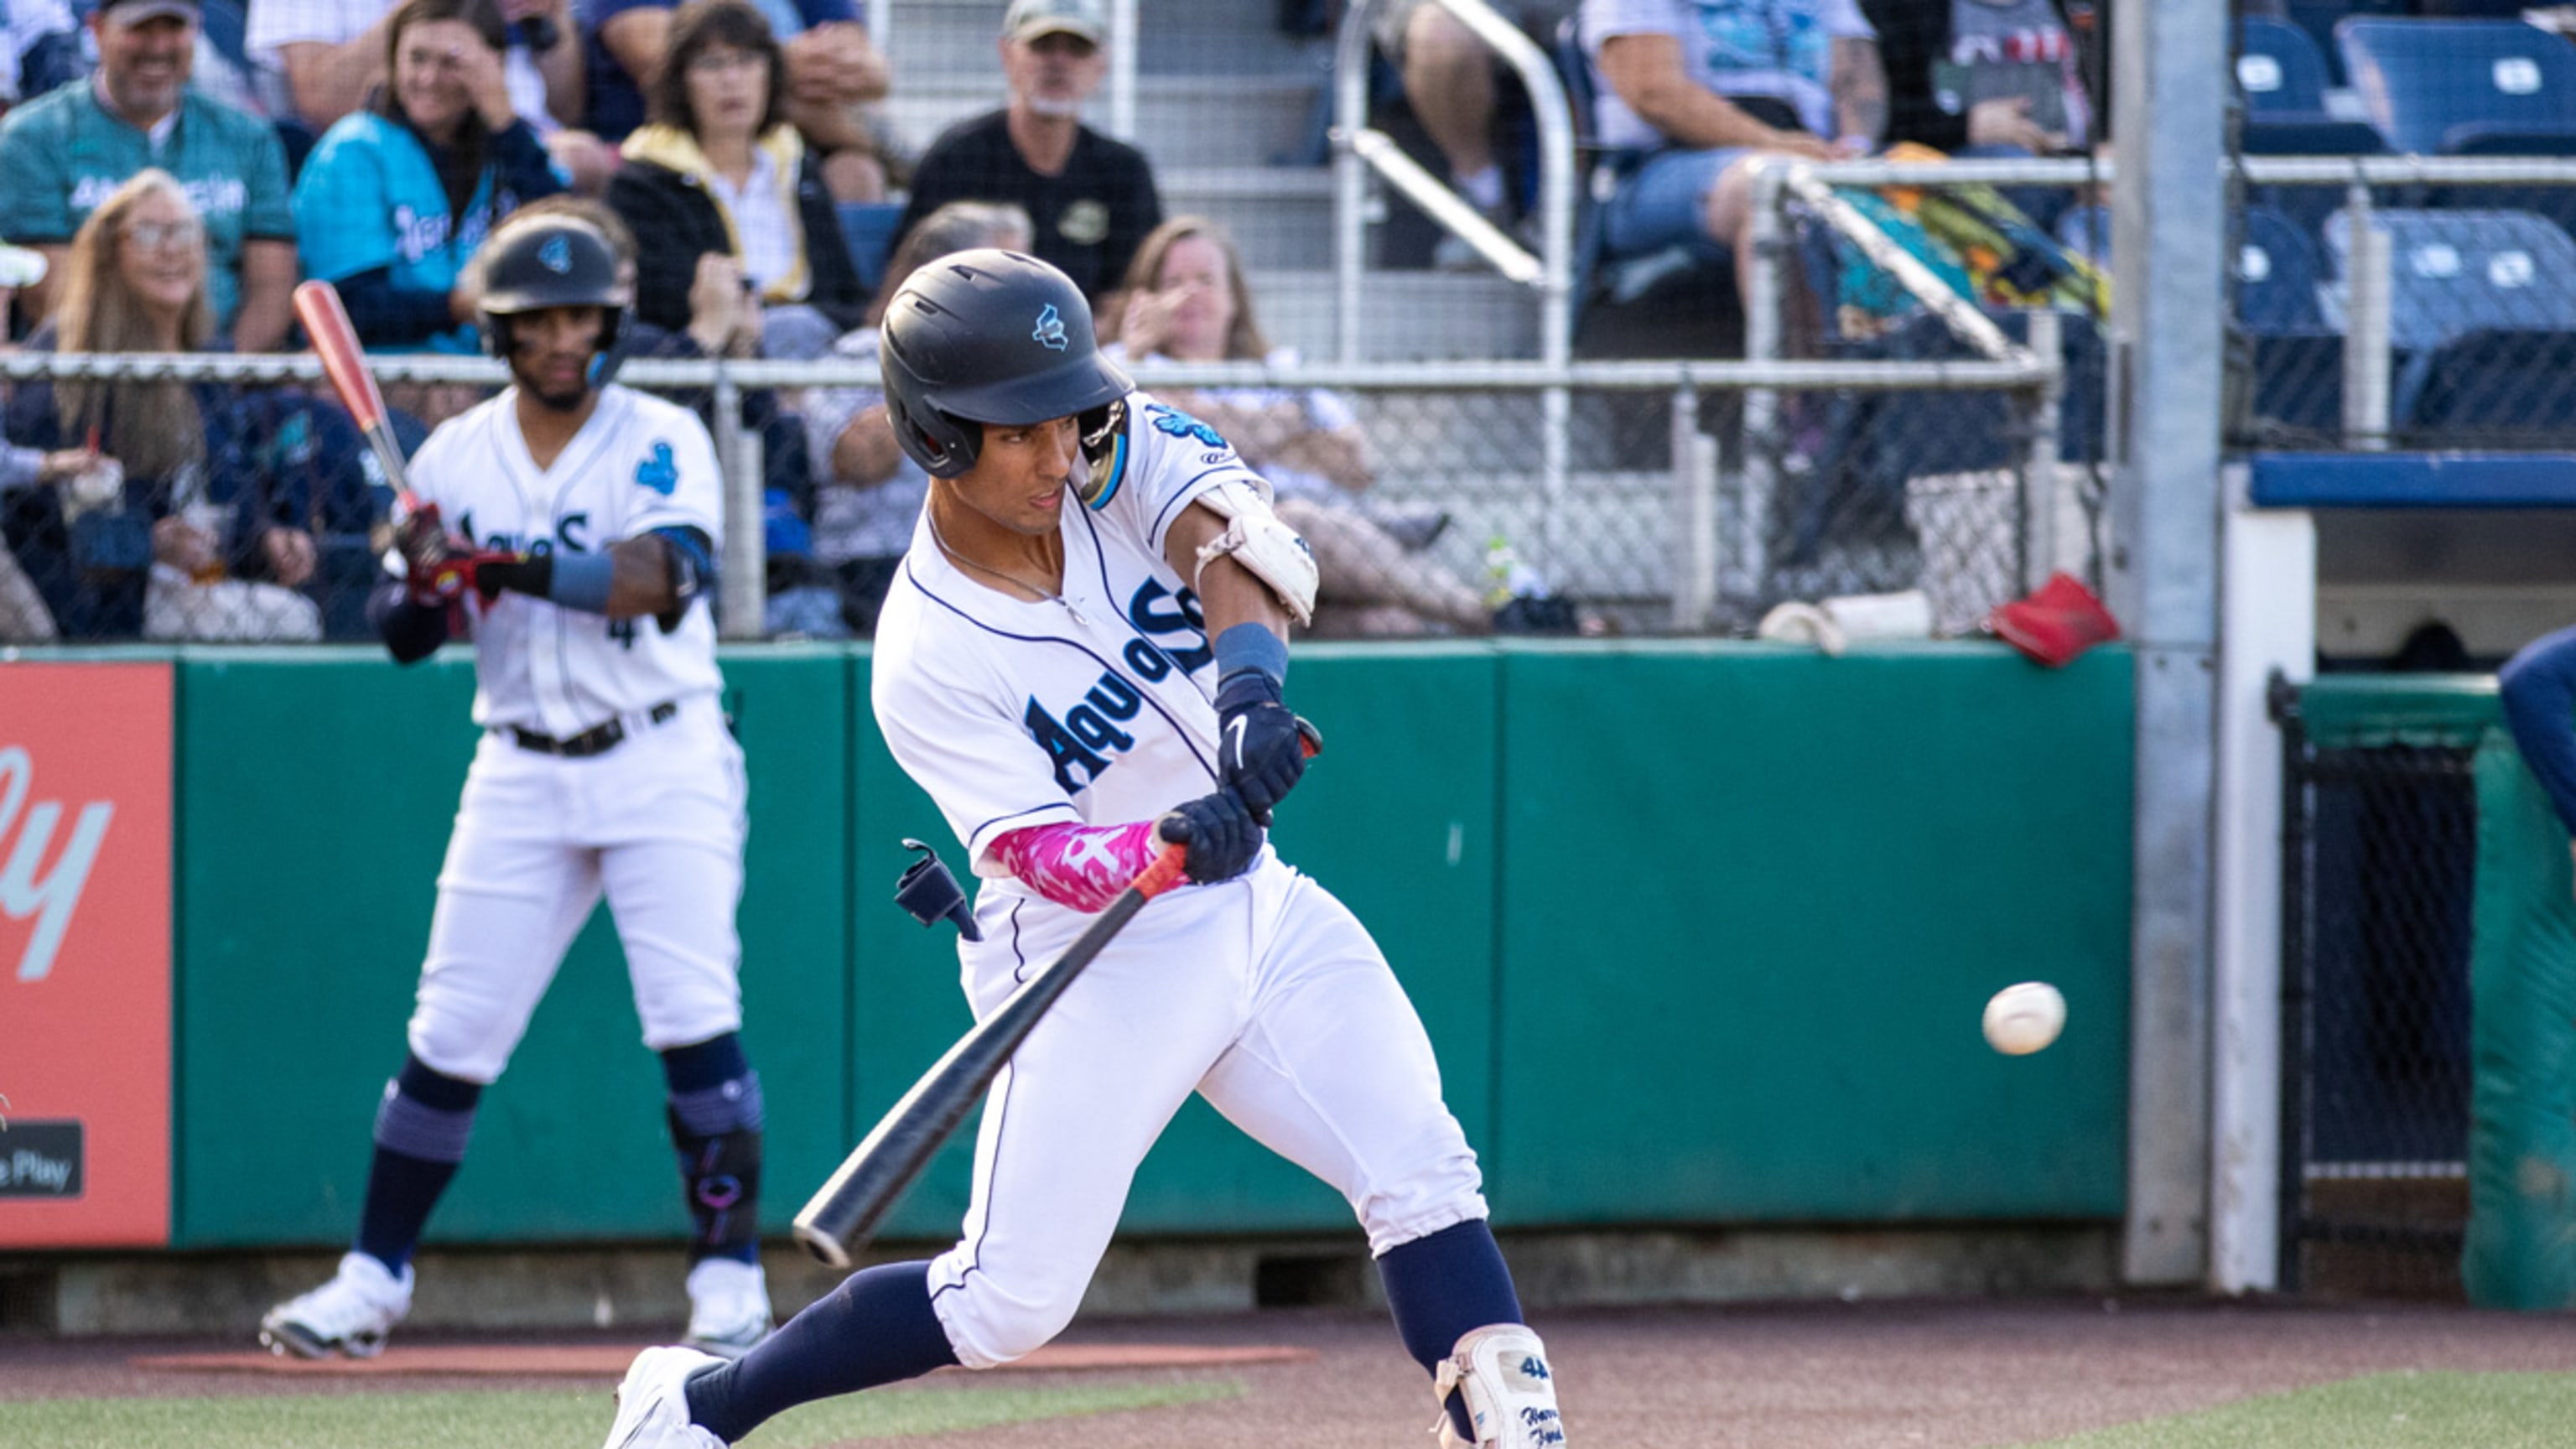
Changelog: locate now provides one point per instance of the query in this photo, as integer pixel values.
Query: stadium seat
(2318, 19)
(2280, 69)
(2494, 388)
(2433, 85)
(2453, 272)
(2276, 276)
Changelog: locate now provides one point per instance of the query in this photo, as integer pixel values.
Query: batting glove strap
(1220, 832)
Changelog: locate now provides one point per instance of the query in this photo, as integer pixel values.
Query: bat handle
(1168, 870)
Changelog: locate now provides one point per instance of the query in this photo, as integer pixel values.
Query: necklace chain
(1045, 594)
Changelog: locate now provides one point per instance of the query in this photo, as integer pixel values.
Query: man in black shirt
(1092, 198)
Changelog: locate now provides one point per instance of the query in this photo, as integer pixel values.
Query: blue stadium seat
(2453, 272)
(2432, 85)
(2319, 17)
(2495, 388)
(2280, 69)
(2276, 276)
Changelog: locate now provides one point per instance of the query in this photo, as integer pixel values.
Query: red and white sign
(84, 955)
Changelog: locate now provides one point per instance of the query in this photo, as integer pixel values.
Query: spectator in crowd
(835, 78)
(1093, 198)
(867, 493)
(61, 155)
(137, 541)
(2001, 77)
(1186, 302)
(331, 56)
(1449, 81)
(24, 618)
(721, 185)
(43, 50)
(395, 197)
(1680, 80)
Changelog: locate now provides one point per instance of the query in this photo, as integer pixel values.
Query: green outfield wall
(1701, 932)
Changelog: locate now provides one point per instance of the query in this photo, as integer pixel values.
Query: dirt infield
(1794, 1376)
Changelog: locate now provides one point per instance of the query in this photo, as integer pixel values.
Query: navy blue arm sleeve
(411, 633)
(2538, 687)
(693, 569)
(385, 315)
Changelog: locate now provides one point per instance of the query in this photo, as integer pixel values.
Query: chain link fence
(1601, 498)
(2407, 178)
(2379, 855)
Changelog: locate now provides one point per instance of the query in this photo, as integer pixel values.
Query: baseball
(2024, 1017)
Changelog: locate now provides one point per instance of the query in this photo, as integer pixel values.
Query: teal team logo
(556, 255)
(659, 472)
(1181, 425)
(1050, 329)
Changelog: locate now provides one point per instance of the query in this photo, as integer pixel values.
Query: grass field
(2381, 1411)
(539, 1419)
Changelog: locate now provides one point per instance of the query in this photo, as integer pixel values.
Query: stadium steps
(1404, 316)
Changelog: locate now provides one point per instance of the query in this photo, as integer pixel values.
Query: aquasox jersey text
(637, 464)
(1093, 706)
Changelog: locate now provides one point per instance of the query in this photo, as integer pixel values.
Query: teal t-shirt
(61, 155)
(370, 197)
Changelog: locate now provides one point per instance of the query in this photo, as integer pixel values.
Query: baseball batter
(1084, 653)
(586, 521)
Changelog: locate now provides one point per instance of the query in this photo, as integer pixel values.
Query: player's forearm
(1081, 867)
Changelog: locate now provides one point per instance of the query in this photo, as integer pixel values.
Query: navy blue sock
(876, 1328)
(1443, 1287)
(420, 1135)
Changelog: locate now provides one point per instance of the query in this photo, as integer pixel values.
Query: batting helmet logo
(1050, 330)
(555, 256)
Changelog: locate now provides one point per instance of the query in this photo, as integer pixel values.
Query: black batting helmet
(989, 336)
(548, 261)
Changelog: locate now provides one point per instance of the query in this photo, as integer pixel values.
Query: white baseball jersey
(637, 464)
(1097, 706)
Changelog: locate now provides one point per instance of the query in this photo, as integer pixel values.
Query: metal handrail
(1711, 374)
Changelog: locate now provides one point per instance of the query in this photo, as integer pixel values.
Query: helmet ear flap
(495, 327)
(943, 445)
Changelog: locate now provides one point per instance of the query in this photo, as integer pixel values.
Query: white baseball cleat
(728, 1307)
(351, 1314)
(1501, 1372)
(653, 1402)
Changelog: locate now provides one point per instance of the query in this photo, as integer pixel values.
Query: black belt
(597, 740)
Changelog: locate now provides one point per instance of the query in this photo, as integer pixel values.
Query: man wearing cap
(60, 156)
(1092, 198)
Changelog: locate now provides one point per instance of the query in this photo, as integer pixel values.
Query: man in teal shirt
(60, 157)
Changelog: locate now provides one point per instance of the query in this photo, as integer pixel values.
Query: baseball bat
(845, 1211)
(335, 341)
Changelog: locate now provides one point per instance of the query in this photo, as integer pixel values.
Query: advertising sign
(84, 955)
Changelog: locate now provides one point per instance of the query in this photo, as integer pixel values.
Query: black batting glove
(1260, 751)
(1220, 832)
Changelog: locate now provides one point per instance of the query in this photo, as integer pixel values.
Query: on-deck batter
(588, 519)
(1084, 651)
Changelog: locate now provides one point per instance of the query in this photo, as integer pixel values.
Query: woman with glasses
(396, 197)
(171, 529)
(720, 186)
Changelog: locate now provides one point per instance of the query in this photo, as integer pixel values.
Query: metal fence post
(2368, 298)
(743, 591)
(1762, 305)
(2042, 494)
(1694, 540)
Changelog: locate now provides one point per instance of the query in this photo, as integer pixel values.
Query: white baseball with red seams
(1261, 993)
